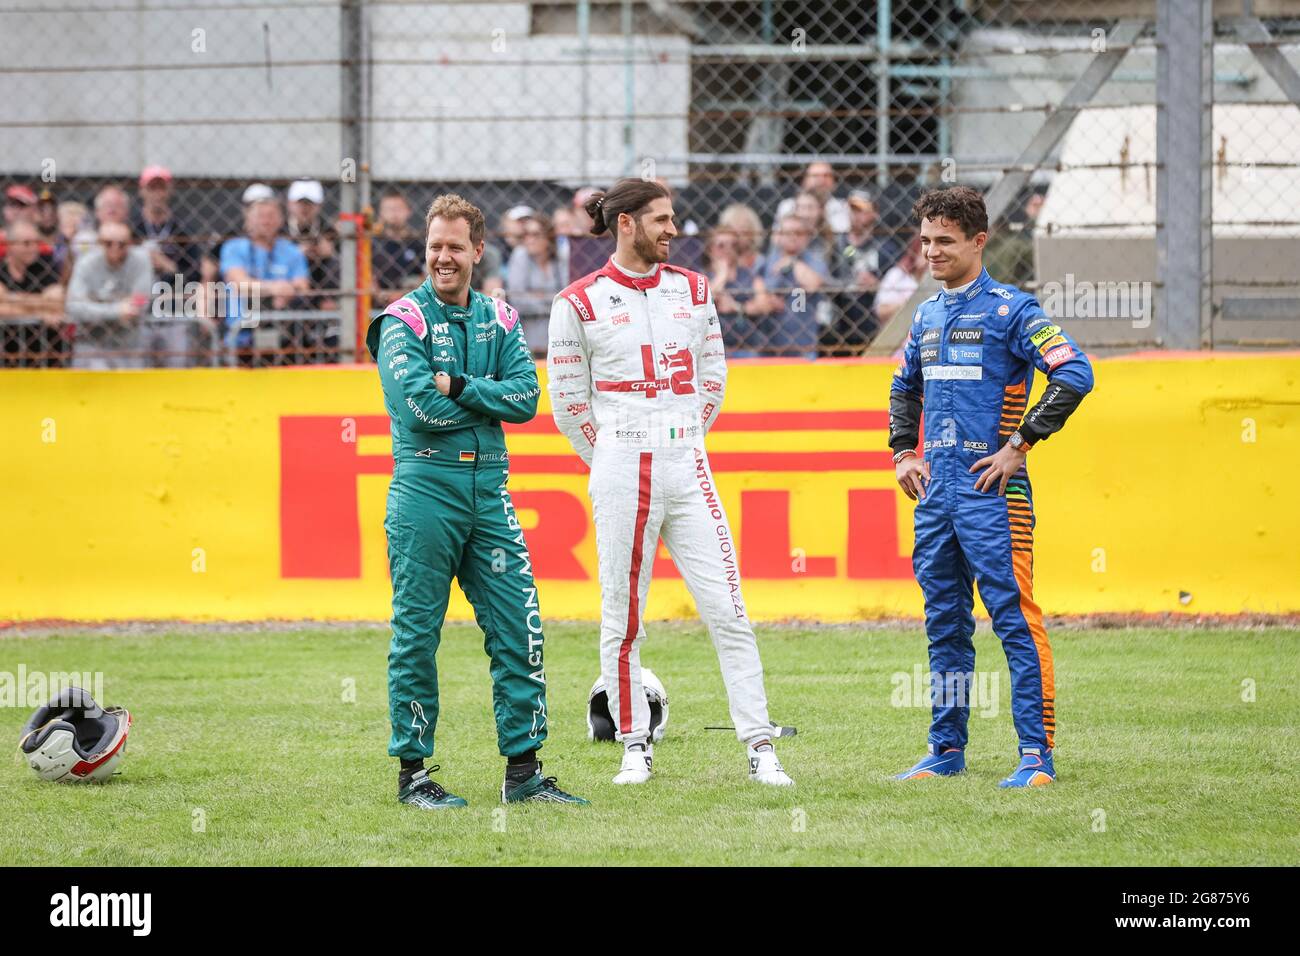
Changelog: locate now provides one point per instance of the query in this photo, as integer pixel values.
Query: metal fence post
(1184, 215)
(352, 165)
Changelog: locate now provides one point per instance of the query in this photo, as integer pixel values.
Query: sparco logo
(75, 909)
(975, 446)
(701, 289)
(579, 307)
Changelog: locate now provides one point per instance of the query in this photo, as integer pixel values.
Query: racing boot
(423, 792)
(765, 768)
(1035, 770)
(638, 764)
(537, 789)
(947, 763)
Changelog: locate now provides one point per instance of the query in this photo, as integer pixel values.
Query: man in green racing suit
(454, 365)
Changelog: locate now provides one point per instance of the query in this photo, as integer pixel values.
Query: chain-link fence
(244, 183)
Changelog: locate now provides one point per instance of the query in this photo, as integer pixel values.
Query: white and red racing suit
(636, 375)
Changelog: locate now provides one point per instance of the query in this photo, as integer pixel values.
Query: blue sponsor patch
(965, 355)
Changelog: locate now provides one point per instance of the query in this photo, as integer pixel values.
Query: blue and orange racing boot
(1035, 770)
(949, 763)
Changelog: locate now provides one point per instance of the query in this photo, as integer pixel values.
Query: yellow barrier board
(242, 495)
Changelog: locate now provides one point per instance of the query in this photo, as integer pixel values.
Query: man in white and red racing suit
(636, 376)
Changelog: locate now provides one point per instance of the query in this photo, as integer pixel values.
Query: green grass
(249, 727)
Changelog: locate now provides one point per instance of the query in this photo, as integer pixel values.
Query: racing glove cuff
(457, 386)
(1048, 417)
(904, 421)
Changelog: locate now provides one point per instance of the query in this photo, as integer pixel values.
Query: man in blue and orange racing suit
(968, 365)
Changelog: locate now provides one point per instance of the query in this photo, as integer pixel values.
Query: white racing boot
(765, 768)
(637, 766)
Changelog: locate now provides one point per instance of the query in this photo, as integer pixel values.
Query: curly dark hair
(959, 204)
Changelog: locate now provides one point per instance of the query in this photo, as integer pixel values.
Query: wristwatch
(1017, 441)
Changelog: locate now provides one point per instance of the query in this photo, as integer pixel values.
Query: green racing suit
(450, 514)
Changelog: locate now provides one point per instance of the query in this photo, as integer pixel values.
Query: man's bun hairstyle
(959, 204)
(625, 196)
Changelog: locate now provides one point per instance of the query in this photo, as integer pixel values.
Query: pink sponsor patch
(407, 310)
(506, 315)
(1058, 355)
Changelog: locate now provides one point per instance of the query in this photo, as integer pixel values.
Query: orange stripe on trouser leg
(1023, 562)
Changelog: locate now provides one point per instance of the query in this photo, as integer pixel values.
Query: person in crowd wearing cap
(175, 260)
(109, 293)
(317, 239)
(511, 229)
(163, 235)
(397, 252)
(254, 193)
(862, 257)
(19, 206)
(30, 290)
(270, 269)
(534, 277)
(819, 179)
(314, 342)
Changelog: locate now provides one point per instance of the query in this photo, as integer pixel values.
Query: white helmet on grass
(600, 724)
(74, 740)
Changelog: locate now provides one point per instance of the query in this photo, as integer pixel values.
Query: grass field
(244, 752)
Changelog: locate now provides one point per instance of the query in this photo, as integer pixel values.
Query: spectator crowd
(128, 282)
